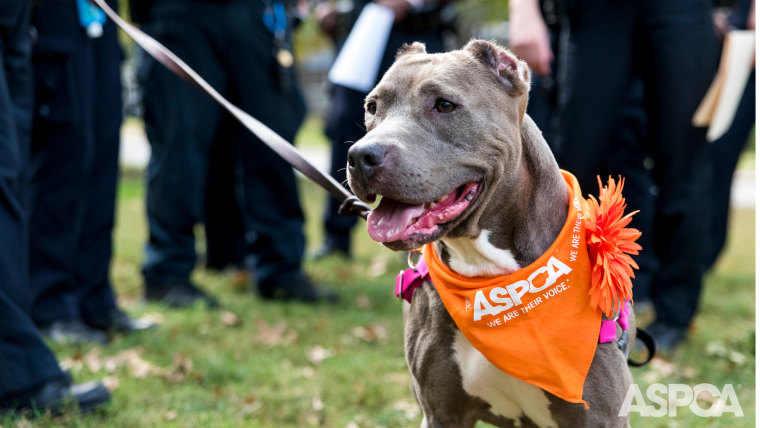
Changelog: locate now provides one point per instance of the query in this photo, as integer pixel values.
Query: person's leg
(599, 64)
(679, 60)
(62, 149)
(724, 155)
(602, 121)
(18, 77)
(26, 363)
(344, 125)
(223, 220)
(95, 245)
(15, 120)
(97, 300)
(29, 372)
(180, 122)
(632, 160)
(273, 215)
(30, 377)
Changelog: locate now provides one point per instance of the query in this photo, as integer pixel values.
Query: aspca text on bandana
(513, 296)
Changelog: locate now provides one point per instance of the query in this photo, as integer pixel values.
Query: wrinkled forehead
(415, 73)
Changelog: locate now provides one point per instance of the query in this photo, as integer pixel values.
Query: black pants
(229, 46)
(74, 165)
(224, 224)
(344, 125)
(672, 47)
(25, 361)
(724, 155)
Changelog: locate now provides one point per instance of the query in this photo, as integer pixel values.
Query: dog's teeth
(442, 198)
(432, 205)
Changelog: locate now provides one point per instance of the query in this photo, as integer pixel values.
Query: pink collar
(410, 279)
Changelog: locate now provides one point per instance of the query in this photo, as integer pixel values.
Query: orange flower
(610, 244)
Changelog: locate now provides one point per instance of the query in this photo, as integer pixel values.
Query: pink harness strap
(608, 332)
(410, 279)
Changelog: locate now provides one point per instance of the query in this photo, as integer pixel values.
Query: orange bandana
(536, 324)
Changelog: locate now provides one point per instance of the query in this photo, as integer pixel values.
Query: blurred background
(258, 364)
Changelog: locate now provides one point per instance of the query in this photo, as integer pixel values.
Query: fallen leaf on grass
(373, 333)
(124, 301)
(230, 319)
(363, 302)
(24, 423)
(707, 397)
(716, 349)
(689, 372)
(275, 335)
(179, 370)
(737, 358)
(307, 372)
(92, 360)
(111, 382)
(171, 415)
(318, 354)
(317, 404)
(136, 365)
(74, 362)
(154, 317)
(658, 369)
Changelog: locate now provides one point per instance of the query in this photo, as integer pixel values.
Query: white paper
(358, 62)
(740, 55)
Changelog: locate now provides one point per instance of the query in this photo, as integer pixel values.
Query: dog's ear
(510, 70)
(408, 49)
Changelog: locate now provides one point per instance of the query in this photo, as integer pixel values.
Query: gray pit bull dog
(459, 163)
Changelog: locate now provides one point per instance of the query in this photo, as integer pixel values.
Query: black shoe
(55, 396)
(181, 295)
(332, 247)
(73, 331)
(117, 321)
(666, 336)
(300, 289)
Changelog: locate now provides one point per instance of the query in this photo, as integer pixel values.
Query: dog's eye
(444, 106)
(372, 107)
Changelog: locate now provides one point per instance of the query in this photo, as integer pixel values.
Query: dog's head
(442, 130)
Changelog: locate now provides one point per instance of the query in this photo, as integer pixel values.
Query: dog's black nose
(366, 157)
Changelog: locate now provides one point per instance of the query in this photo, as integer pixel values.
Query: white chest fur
(478, 257)
(509, 397)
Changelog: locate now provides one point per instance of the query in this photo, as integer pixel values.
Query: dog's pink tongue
(389, 221)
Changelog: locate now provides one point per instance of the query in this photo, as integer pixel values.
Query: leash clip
(352, 206)
(410, 259)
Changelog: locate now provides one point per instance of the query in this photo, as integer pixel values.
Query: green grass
(257, 364)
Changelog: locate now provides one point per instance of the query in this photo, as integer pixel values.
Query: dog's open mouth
(395, 221)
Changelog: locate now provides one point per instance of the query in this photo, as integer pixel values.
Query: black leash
(648, 341)
(351, 205)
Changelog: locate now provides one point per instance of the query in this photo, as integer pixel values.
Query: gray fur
(523, 202)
